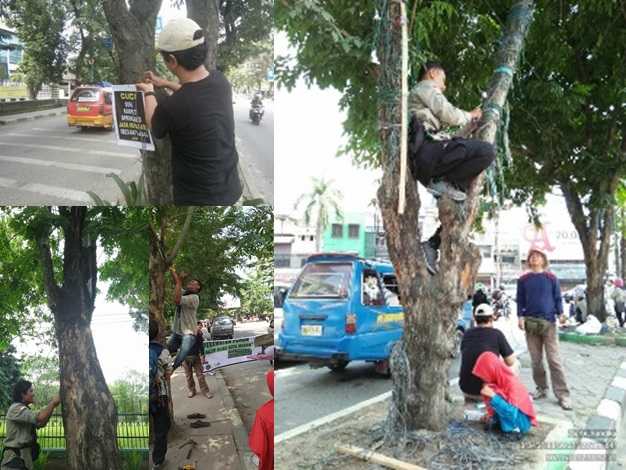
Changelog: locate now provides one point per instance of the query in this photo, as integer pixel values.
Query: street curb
(53, 112)
(250, 190)
(609, 414)
(593, 340)
(239, 431)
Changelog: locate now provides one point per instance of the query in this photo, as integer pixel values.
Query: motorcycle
(256, 113)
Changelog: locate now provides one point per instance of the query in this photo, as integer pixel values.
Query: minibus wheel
(337, 366)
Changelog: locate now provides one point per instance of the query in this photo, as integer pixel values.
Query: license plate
(84, 109)
(311, 330)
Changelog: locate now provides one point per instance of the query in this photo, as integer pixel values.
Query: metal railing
(132, 432)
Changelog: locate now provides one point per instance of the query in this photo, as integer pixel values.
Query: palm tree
(322, 199)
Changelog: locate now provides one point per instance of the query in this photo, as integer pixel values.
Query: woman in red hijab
(261, 439)
(507, 400)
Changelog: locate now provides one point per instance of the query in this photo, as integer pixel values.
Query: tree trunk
(133, 37)
(206, 14)
(622, 246)
(157, 269)
(420, 361)
(594, 231)
(89, 412)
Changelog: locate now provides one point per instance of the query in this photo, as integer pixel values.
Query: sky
(307, 134)
(119, 347)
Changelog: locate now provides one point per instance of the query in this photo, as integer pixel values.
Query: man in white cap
(198, 117)
(484, 337)
(539, 304)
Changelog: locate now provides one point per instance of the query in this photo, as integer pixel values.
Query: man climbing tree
(326, 34)
(443, 164)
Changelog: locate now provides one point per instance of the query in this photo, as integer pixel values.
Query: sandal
(196, 416)
(200, 424)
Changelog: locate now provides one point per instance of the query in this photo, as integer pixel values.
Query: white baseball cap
(180, 34)
(484, 310)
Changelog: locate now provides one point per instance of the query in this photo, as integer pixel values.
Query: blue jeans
(184, 344)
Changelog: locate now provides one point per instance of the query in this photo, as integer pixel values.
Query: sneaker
(539, 394)
(441, 187)
(208, 395)
(565, 403)
(191, 394)
(430, 255)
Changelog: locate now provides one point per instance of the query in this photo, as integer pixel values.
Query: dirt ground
(463, 445)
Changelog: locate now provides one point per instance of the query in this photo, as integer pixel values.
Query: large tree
(335, 43)
(59, 246)
(213, 244)
(39, 25)
(568, 120)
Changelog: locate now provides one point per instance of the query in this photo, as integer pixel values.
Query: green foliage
(245, 26)
(221, 243)
(568, 112)
(39, 25)
(320, 203)
(9, 375)
(256, 294)
(252, 74)
(43, 372)
(134, 460)
(131, 393)
(122, 234)
(133, 192)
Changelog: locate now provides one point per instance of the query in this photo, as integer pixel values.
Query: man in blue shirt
(538, 307)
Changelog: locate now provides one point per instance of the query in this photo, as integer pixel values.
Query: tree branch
(181, 238)
(45, 257)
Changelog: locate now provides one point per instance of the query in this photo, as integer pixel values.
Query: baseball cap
(180, 34)
(484, 310)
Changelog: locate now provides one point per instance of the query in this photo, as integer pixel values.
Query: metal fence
(132, 432)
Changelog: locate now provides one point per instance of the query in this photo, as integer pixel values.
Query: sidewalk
(221, 446)
(13, 118)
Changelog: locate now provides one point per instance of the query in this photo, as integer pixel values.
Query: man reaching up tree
(198, 117)
(443, 163)
(185, 324)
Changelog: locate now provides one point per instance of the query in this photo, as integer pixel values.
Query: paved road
(256, 147)
(44, 161)
(246, 382)
(305, 394)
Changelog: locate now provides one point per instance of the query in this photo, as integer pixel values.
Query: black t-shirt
(475, 342)
(199, 119)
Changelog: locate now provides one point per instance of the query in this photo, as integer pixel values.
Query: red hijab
(491, 370)
(261, 439)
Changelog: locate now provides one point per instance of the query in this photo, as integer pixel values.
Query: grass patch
(13, 92)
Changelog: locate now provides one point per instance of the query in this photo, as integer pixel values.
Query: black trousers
(459, 161)
(620, 313)
(161, 422)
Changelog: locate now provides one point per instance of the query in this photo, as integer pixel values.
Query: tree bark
(622, 242)
(132, 30)
(206, 14)
(89, 412)
(159, 263)
(594, 231)
(420, 361)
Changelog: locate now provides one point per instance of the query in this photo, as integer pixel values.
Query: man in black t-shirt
(484, 337)
(198, 117)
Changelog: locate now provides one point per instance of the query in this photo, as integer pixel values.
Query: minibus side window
(371, 292)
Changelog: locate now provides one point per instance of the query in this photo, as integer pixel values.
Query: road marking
(282, 373)
(346, 411)
(78, 196)
(133, 156)
(64, 165)
(65, 137)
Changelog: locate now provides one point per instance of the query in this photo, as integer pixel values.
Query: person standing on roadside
(539, 304)
(198, 117)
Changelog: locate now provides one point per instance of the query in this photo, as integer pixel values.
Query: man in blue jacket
(539, 305)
